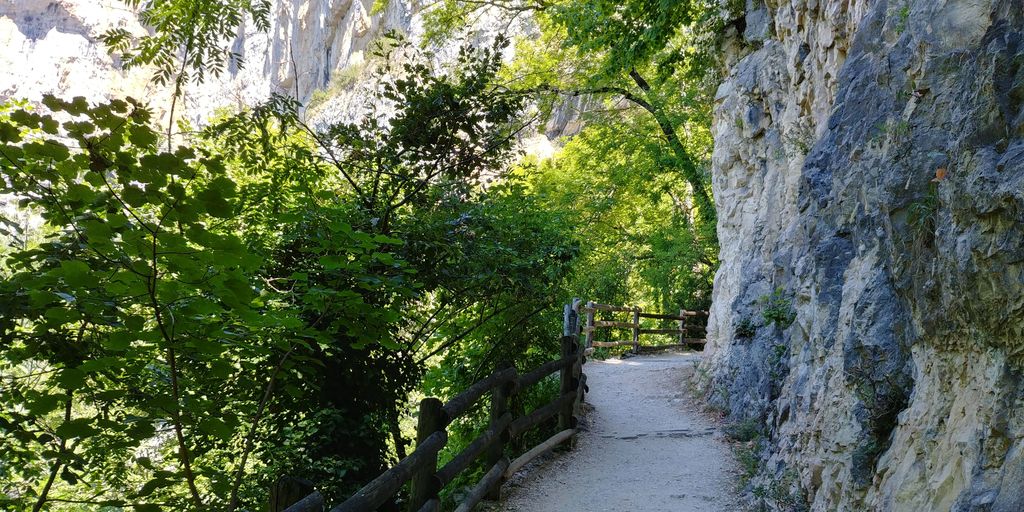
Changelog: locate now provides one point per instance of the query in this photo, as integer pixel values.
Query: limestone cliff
(869, 172)
(318, 51)
(53, 47)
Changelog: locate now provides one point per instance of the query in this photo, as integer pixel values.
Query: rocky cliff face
(869, 174)
(54, 47)
(318, 51)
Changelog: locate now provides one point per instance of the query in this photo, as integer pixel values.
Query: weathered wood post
(590, 324)
(499, 406)
(288, 491)
(567, 320)
(636, 329)
(682, 327)
(423, 486)
(568, 383)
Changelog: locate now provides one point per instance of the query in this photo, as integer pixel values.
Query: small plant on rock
(745, 328)
(744, 431)
(778, 309)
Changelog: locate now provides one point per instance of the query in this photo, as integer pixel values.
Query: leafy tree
(136, 317)
(188, 42)
(655, 55)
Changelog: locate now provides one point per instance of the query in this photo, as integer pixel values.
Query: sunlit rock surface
(53, 46)
(869, 162)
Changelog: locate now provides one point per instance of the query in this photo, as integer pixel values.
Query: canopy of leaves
(192, 325)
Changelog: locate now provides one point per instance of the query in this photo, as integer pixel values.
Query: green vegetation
(922, 212)
(745, 328)
(201, 315)
(747, 430)
(340, 81)
(902, 17)
(782, 493)
(778, 309)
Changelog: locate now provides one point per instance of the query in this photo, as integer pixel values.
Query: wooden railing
(691, 329)
(420, 470)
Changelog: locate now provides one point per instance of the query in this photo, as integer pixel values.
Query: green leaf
(9, 132)
(98, 364)
(217, 428)
(79, 427)
(80, 193)
(216, 204)
(43, 404)
(133, 196)
(70, 379)
(142, 136)
(118, 341)
(76, 273)
(79, 105)
(151, 486)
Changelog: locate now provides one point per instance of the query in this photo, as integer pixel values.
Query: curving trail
(644, 447)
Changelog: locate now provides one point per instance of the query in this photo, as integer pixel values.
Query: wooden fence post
(568, 383)
(423, 486)
(590, 324)
(566, 320)
(682, 327)
(499, 406)
(636, 330)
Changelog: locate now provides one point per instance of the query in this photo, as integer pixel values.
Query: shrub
(745, 328)
(778, 309)
(744, 431)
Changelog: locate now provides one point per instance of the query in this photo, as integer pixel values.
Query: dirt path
(644, 447)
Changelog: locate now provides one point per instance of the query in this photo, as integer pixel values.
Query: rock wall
(869, 171)
(313, 47)
(54, 47)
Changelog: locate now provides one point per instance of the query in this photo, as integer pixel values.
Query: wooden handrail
(542, 371)
(536, 451)
(544, 412)
(461, 403)
(420, 467)
(460, 462)
(610, 323)
(609, 307)
(382, 488)
(314, 501)
(491, 479)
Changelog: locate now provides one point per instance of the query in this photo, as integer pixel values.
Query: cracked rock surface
(869, 172)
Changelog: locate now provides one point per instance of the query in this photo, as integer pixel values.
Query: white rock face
(899, 386)
(309, 44)
(52, 47)
(56, 49)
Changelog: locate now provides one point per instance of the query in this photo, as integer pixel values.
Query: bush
(744, 431)
(778, 309)
(745, 328)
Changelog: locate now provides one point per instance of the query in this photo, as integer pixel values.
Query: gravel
(644, 446)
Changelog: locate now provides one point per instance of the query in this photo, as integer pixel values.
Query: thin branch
(250, 437)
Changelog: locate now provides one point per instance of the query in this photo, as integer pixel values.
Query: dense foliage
(197, 322)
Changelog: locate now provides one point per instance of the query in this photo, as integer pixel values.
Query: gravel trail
(644, 447)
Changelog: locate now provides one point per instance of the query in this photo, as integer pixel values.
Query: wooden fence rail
(420, 469)
(687, 332)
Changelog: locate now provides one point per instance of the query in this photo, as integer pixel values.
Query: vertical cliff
(869, 175)
(54, 47)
